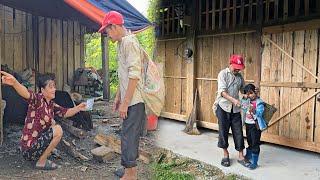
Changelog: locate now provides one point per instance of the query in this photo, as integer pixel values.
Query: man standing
(230, 82)
(128, 100)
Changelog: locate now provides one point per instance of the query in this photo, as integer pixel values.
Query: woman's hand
(8, 79)
(82, 107)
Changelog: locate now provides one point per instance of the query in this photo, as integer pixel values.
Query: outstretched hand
(8, 79)
(82, 107)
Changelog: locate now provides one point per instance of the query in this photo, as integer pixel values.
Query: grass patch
(167, 171)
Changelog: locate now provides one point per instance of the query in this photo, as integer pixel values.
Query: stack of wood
(111, 145)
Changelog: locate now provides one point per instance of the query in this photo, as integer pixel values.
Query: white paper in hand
(90, 103)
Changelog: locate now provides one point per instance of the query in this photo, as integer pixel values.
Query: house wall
(45, 44)
(283, 82)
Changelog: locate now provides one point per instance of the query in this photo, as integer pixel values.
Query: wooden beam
(292, 109)
(79, 133)
(298, 26)
(291, 85)
(310, 146)
(1, 60)
(292, 58)
(105, 67)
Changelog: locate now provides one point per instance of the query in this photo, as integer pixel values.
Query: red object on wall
(87, 9)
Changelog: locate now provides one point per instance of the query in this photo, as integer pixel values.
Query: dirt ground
(13, 166)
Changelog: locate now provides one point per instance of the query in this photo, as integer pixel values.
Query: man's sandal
(244, 162)
(49, 165)
(225, 162)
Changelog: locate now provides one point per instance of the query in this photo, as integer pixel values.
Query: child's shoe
(254, 163)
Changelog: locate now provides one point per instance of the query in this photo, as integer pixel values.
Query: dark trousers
(227, 120)
(253, 138)
(132, 129)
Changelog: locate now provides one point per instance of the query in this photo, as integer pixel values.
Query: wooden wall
(283, 82)
(60, 44)
(286, 85)
(175, 76)
(212, 55)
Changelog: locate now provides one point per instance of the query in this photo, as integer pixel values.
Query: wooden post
(190, 70)
(105, 67)
(259, 42)
(1, 60)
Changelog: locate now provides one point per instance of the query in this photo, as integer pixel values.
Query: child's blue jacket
(245, 103)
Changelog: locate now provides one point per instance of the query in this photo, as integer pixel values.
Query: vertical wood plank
(170, 65)
(306, 7)
(105, 67)
(296, 7)
(168, 21)
(55, 49)
(17, 40)
(250, 12)
(234, 18)
(317, 109)
(213, 15)
(162, 22)
(65, 52)
(265, 70)
(220, 14)
(76, 45)
(242, 12)
(267, 10)
(200, 14)
(274, 92)
(24, 31)
(297, 77)
(286, 93)
(177, 82)
(70, 53)
(207, 14)
(199, 86)
(285, 9)
(82, 46)
(9, 50)
(2, 15)
(310, 61)
(42, 40)
(173, 20)
(48, 47)
(59, 65)
(276, 9)
(29, 47)
(228, 15)
(216, 68)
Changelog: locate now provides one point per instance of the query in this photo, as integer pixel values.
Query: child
(253, 109)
